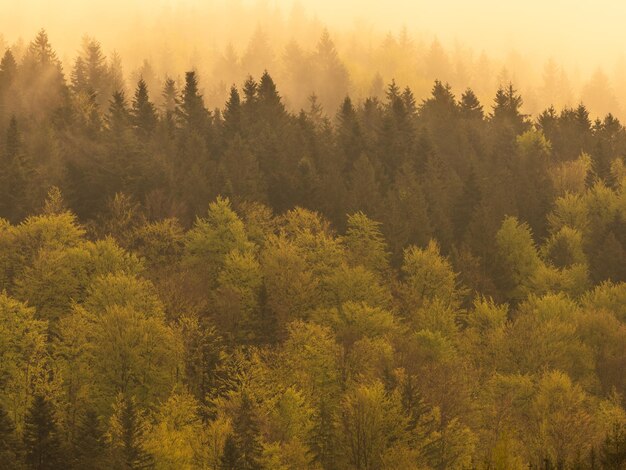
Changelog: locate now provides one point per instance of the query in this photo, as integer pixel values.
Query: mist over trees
(384, 282)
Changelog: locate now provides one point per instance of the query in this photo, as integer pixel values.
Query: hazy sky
(583, 31)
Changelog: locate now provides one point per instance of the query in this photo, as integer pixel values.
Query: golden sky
(584, 32)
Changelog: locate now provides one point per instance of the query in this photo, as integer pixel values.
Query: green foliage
(42, 444)
(137, 334)
(127, 436)
(23, 361)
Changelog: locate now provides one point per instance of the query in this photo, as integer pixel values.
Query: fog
(556, 52)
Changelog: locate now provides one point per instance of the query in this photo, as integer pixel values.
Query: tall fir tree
(10, 447)
(246, 435)
(14, 175)
(127, 437)
(143, 112)
(41, 440)
(90, 448)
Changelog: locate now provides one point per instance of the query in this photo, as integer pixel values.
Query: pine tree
(10, 455)
(323, 438)
(118, 117)
(229, 459)
(250, 93)
(169, 95)
(191, 108)
(78, 77)
(143, 112)
(13, 175)
(41, 440)
(466, 204)
(268, 98)
(246, 435)
(90, 448)
(169, 103)
(349, 134)
(507, 108)
(232, 114)
(470, 107)
(8, 70)
(127, 437)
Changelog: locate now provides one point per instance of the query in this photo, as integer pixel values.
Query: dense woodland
(389, 285)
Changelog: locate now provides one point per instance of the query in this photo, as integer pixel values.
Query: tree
(366, 244)
(213, 237)
(41, 439)
(90, 447)
(10, 449)
(229, 459)
(143, 112)
(15, 175)
(118, 118)
(246, 441)
(191, 108)
(22, 357)
(470, 107)
(428, 276)
(8, 72)
(613, 450)
(372, 421)
(518, 258)
(127, 436)
(233, 114)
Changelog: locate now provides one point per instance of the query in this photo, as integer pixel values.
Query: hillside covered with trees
(392, 284)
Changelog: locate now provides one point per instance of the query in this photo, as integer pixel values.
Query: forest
(397, 283)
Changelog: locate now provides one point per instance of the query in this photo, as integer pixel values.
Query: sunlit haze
(581, 40)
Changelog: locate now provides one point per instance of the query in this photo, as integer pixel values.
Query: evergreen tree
(118, 117)
(169, 95)
(268, 98)
(191, 108)
(90, 449)
(349, 134)
(10, 456)
(127, 437)
(232, 114)
(14, 177)
(143, 112)
(250, 93)
(8, 71)
(469, 106)
(323, 439)
(41, 440)
(229, 459)
(467, 203)
(507, 109)
(246, 435)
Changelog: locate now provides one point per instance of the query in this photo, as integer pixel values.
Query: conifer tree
(41, 440)
(246, 435)
(349, 134)
(191, 108)
(118, 117)
(229, 459)
(232, 114)
(8, 70)
(127, 437)
(10, 456)
(469, 106)
(143, 112)
(13, 174)
(323, 439)
(90, 449)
